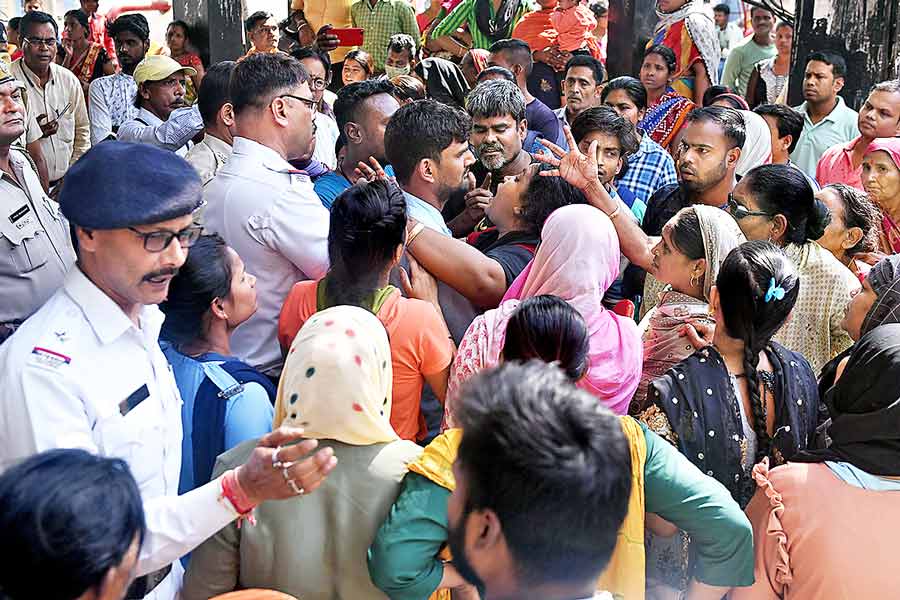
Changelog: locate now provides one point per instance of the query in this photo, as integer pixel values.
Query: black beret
(122, 184)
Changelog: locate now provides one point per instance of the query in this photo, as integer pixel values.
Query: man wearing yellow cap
(164, 119)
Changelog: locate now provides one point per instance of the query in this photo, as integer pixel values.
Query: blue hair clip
(776, 292)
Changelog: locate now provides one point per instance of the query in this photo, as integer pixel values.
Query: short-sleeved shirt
(839, 127)
(110, 104)
(333, 183)
(543, 120)
(741, 62)
(649, 169)
(420, 346)
(512, 251)
(208, 156)
(387, 18)
(836, 166)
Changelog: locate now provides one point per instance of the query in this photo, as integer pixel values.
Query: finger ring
(276, 464)
(297, 490)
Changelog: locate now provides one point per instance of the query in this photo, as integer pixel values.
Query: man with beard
(111, 98)
(163, 118)
(428, 145)
(265, 209)
(524, 523)
(363, 110)
(583, 86)
(53, 96)
(86, 370)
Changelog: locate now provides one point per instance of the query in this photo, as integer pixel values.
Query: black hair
(605, 120)
(600, 8)
(304, 52)
(14, 23)
(787, 120)
(713, 92)
(352, 96)
(184, 27)
(742, 284)
(494, 72)
(782, 24)
(423, 129)
(784, 190)
(665, 53)
(408, 88)
(257, 78)
(732, 100)
(728, 119)
(755, 7)
(586, 60)
(255, 19)
(214, 91)
(80, 16)
(837, 62)
(686, 233)
(368, 224)
(631, 86)
(36, 17)
(543, 196)
(519, 52)
(204, 276)
(547, 328)
(536, 449)
(68, 517)
(135, 23)
(722, 8)
(364, 59)
(402, 42)
(859, 211)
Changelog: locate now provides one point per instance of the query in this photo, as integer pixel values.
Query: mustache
(161, 273)
(489, 148)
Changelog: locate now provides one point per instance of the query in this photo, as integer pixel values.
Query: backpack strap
(229, 387)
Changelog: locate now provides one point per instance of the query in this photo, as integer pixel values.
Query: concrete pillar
(218, 25)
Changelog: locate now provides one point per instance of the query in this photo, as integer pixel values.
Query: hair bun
(818, 219)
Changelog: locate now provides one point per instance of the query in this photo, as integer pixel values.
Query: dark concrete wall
(218, 26)
(631, 24)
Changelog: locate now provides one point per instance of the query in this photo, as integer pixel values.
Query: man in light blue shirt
(827, 121)
(428, 145)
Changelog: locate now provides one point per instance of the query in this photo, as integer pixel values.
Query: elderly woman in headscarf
(336, 385)
(845, 545)
(685, 27)
(881, 180)
(876, 303)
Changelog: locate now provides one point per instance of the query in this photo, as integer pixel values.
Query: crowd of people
(444, 311)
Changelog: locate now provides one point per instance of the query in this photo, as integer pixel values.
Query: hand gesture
(274, 466)
(578, 169)
(371, 172)
(478, 198)
(48, 128)
(698, 333)
(325, 40)
(418, 283)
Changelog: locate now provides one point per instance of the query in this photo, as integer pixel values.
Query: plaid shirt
(649, 169)
(380, 23)
(465, 13)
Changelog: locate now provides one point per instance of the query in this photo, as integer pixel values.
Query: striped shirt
(387, 18)
(465, 13)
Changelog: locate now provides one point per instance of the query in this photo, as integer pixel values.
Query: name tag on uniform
(19, 224)
(133, 399)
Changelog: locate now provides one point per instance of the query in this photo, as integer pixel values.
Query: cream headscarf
(721, 234)
(336, 382)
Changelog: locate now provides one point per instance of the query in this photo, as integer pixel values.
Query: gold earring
(694, 280)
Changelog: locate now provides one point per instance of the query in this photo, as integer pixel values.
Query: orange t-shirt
(420, 346)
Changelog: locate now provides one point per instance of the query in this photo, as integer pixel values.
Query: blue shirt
(426, 214)
(649, 169)
(839, 127)
(330, 185)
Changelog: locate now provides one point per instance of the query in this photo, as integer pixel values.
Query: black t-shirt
(513, 251)
(661, 207)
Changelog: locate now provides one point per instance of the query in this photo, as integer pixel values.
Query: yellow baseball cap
(6, 75)
(157, 68)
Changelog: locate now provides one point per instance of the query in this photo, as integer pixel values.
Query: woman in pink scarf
(577, 260)
(881, 180)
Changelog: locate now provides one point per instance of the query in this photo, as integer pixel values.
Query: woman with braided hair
(366, 238)
(742, 399)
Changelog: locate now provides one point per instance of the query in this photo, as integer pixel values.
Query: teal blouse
(402, 558)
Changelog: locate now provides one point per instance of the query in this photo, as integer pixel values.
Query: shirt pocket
(27, 246)
(130, 438)
(66, 131)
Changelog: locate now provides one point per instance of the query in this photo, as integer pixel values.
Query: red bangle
(231, 489)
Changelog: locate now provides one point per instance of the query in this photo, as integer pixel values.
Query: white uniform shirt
(173, 134)
(270, 214)
(79, 374)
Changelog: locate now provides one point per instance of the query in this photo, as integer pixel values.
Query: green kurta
(403, 558)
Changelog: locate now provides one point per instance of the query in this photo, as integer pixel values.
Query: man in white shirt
(516, 420)
(86, 370)
(264, 208)
(111, 98)
(163, 119)
(214, 102)
(52, 94)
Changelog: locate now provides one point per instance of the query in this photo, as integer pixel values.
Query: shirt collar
(269, 158)
(433, 212)
(217, 145)
(32, 77)
(148, 117)
(106, 318)
(829, 117)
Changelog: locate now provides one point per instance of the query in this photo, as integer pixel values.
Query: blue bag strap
(229, 387)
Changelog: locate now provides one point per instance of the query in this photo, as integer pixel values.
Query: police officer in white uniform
(35, 248)
(86, 369)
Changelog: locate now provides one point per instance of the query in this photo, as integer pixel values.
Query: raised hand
(578, 169)
(478, 198)
(325, 40)
(372, 171)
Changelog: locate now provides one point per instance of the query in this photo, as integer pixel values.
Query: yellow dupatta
(624, 576)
